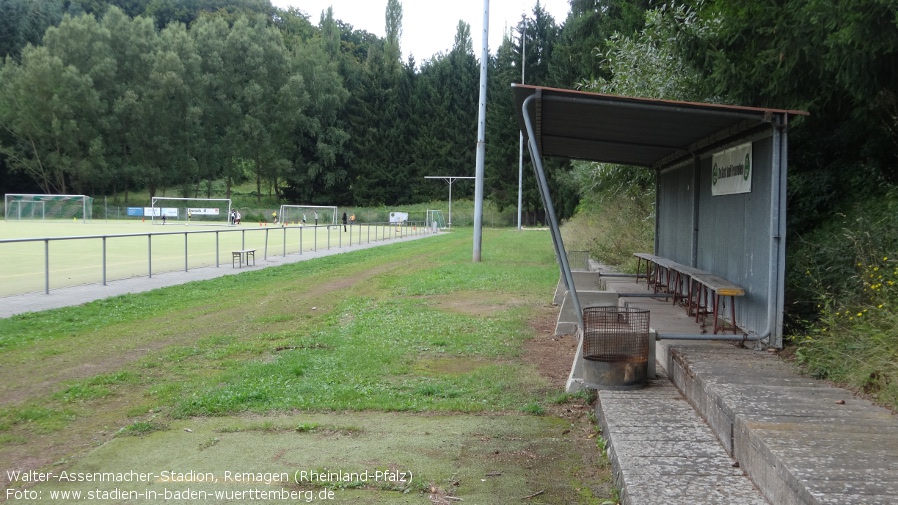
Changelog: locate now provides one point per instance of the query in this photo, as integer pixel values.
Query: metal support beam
(543, 184)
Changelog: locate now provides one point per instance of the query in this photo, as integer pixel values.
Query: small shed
(720, 181)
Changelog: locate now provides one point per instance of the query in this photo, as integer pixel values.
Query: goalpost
(435, 218)
(18, 206)
(306, 214)
(207, 211)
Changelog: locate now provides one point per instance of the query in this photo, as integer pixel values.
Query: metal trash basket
(616, 346)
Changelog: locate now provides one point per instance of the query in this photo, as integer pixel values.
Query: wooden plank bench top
(720, 285)
(647, 256)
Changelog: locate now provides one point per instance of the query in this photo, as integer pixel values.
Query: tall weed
(612, 228)
(850, 271)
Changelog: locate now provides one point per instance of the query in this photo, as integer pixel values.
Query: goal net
(207, 211)
(307, 214)
(435, 217)
(25, 206)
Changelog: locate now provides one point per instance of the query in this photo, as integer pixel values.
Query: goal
(40, 207)
(207, 211)
(305, 214)
(435, 217)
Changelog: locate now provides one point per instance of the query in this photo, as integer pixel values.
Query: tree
(641, 64)
(50, 112)
(837, 60)
(541, 34)
(446, 114)
(318, 169)
(580, 53)
(259, 66)
(24, 22)
(126, 130)
(392, 51)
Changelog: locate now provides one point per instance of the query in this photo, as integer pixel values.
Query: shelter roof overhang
(634, 131)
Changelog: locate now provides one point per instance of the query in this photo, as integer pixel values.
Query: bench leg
(717, 325)
(678, 288)
(701, 309)
(733, 312)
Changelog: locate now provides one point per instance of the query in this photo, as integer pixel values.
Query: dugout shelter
(736, 231)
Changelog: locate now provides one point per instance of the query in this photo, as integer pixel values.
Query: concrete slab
(583, 281)
(567, 317)
(663, 453)
(799, 440)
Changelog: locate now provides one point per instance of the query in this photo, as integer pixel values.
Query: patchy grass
(413, 329)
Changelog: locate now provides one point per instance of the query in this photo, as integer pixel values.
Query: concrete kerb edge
(617, 475)
(755, 458)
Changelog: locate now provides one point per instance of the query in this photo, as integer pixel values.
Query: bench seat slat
(722, 286)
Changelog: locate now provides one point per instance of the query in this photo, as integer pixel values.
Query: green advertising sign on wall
(731, 171)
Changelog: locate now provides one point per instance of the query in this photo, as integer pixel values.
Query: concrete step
(663, 453)
(801, 441)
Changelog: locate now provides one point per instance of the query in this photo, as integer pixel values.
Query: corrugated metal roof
(633, 131)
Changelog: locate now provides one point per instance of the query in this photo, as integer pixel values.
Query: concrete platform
(798, 440)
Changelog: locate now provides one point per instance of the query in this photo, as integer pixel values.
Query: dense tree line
(99, 96)
(102, 97)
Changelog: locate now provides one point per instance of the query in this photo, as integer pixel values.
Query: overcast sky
(428, 26)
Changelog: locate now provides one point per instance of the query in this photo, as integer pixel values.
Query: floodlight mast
(450, 179)
(521, 147)
(481, 136)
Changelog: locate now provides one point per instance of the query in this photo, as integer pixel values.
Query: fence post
(47, 266)
(104, 260)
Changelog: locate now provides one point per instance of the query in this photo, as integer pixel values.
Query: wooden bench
(714, 287)
(657, 270)
(702, 291)
(243, 256)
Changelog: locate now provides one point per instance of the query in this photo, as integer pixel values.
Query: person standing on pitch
(344, 221)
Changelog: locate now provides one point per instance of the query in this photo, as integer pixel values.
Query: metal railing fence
(29, 265)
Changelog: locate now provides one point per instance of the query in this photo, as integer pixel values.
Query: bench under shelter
(720, 184)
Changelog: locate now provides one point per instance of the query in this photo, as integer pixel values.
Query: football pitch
(50, 254)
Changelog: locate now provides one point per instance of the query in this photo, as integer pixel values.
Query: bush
(850, 271)
(613, 228)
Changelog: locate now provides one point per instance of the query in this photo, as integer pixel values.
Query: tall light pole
(481, 135)
(521, 147)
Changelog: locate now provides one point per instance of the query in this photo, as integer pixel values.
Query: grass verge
(405, 335)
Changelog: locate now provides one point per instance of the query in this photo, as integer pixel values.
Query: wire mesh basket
(616, 334)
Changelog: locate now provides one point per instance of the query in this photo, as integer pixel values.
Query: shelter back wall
(733, 239)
